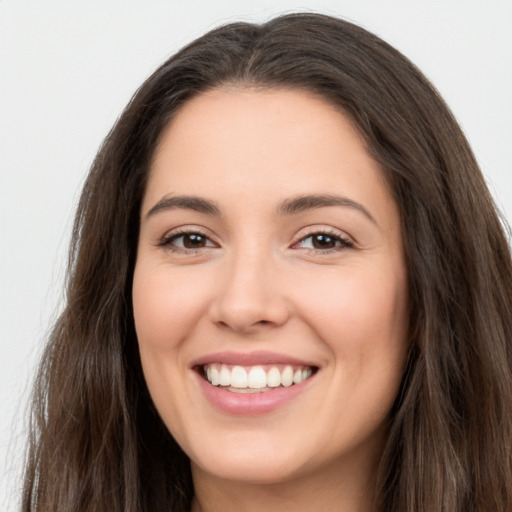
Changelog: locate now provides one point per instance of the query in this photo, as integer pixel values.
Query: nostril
(244, 328)
(248, 311)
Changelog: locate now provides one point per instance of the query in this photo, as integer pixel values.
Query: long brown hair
(96, 441)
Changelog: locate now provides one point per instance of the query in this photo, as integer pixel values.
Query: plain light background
(67, 69)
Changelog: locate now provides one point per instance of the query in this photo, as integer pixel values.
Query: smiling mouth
(254, 379)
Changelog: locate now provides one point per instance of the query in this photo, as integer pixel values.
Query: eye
(323, 242)
(189, 240)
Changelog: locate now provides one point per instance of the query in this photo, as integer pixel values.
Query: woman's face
(270, 289)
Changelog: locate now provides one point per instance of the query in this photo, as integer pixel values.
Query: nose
(251, 296)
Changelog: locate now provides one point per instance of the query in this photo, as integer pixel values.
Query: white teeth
(215, 376)
(287, 376)
(257, 378)
(254, 378)
(238, 377)
(273, 377)
(224, 376)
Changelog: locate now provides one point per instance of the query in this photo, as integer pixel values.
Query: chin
(250, 471)
(256, 462)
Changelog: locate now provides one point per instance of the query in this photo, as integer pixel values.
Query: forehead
(258, 145)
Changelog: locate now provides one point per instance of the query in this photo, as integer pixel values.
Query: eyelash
(340, 242)
(167, 241)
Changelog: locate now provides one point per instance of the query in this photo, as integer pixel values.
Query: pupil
(193, 241)
(323, 242)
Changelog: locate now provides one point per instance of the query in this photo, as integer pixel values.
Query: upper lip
(250, 359)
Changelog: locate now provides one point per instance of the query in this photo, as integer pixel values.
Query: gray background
(67, 69)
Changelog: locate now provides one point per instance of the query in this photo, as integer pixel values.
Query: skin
(257, 281)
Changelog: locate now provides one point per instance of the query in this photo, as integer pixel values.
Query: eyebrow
(302, 203)
(290, 206)
(197, 204)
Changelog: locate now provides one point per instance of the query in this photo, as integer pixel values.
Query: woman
(288, 287)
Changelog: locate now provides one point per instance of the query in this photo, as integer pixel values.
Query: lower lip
(250, 404)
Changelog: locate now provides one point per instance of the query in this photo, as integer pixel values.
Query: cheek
(166, 308)
(166, 305)
(358, 309)
(365, 327)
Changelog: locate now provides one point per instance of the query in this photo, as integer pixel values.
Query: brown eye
(324, 241)
(321, 241)
(194, 241)
(184, 241)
